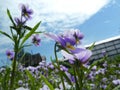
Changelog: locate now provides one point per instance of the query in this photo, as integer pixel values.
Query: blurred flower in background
(10, 54)
(36, 40)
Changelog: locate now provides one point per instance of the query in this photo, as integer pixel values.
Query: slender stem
(55, 47)
(80, 73)
(14, 66)
(81, 79)
(13, 73)
(75, 75)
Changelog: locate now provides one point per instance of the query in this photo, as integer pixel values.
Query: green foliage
(10, 17)
(117, 88)
(7, 35)
(32, 31)
(98, 76)
(47, 83)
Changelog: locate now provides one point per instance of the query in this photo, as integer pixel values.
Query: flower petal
(84, 55)
(67, 56)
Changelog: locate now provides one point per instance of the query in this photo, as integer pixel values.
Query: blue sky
(97, 19)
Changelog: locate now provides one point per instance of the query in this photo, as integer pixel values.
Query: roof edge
(104, 41)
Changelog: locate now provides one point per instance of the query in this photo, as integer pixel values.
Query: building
(111, 46)
(29, 59)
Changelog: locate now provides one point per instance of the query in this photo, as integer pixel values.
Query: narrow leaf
(4, 33)
(92, 46)
(47, 83)
(67, 78)
(27, 27)
(32, 79)
(30, 33)
(9, 15)
(30, 76)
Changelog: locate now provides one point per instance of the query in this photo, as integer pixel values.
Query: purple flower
(31, 68)
(90, 76)
(101, 71)
(67, 42)
(63, 68)
(26, 12)
(116, 82)
(103, 53)
(103, 86)
(75, 33)
(45, 87)
(10, 54)
(72, 78)
(78, 34)
(36, 40)
(57, 38)
(51, 66)
(82, 56)
(71, 61)
(20, 82)
(105, 64)
(104, 79)
(94, 68)
(92, 85)
(19, 22)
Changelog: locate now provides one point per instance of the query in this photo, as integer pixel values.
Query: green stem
(55, 47)
(76, 82)
(81, 79)
(13, 73)
(79, 73)
(14, 66)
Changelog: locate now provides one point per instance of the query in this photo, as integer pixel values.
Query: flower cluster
(56, 75)
(71, 46)
(19, 33)
(20, 22)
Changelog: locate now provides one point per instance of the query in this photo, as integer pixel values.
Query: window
(117, 46)
(110, 48)
(112, 52)
(117, 41)
(109, 44)
(100, 46)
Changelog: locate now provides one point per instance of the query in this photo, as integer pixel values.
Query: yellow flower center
(70, 46)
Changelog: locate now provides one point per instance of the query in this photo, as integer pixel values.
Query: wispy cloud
(56, 15)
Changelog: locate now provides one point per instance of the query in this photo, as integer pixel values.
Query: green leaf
(9, 15)
(30, 33)
(92, 46)
(117, 88)
(4, 33)
(67, 78)
(30, 76)
(27, 45)
(38, 32)
(29, 28)
(47, 83)
(32, 79)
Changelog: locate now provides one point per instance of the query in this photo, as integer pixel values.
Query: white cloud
(56, 15)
